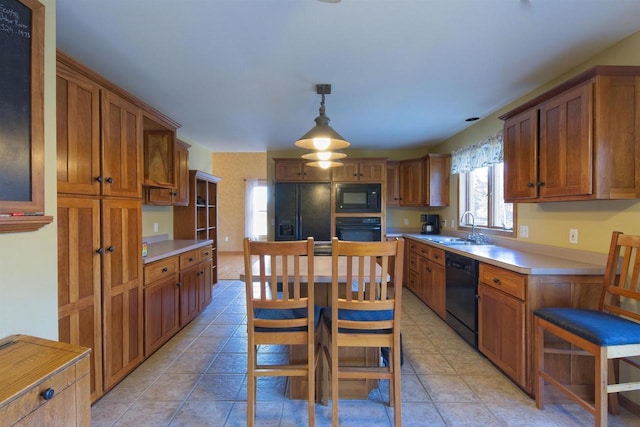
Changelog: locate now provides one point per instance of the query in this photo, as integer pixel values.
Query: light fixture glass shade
(325, 164)
(320, 156)
(322, 137)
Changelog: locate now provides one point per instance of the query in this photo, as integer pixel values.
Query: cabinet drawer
(413, 262)
(421, 250)
(32, 399)
(188, 259)
(160, 269)
(507, 281)
(436, 255)
(205, 253)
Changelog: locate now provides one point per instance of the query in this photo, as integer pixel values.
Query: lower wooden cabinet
(43, 383)
(161, 303)
(501, 331)
(426, 275)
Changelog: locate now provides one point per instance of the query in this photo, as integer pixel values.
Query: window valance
(485, 153)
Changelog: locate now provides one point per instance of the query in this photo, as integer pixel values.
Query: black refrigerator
(302, 210)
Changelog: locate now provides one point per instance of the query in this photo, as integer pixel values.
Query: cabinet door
(309, 173)
(159, 151)
(437, 292)
(566, 146)
(372, 171)
(161, 313)
(170, 196)
(437, 169)
(393, 184)
(288, 171)
(189, 289)
(348, 172)
(205, 292)
(79, 281)
(121, 147)
(122, 288)
(78, 133)
(411, 182)
(501, 331)
(521, 156)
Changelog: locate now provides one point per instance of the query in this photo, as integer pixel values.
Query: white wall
(28, 261)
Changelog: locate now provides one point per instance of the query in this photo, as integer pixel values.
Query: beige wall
(234, 168)
(29, 261)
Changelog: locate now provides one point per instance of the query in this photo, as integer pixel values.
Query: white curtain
(485, 153)
(249, 223)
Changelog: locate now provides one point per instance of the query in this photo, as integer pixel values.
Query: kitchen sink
(457, 241)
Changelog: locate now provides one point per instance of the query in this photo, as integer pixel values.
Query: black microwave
(358, 198)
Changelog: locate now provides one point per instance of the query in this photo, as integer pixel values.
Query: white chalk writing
(10, 23)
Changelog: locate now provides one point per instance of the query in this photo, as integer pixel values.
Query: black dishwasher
(462, 296)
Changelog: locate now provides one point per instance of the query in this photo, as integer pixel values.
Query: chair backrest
(361, 278)
(621, 290)
(275, 277)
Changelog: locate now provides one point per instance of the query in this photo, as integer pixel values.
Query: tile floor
(198, 379)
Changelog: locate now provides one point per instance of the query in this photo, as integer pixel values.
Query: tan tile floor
(198, 379)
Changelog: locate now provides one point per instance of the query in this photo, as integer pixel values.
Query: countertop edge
(167, 248)
(519, 261)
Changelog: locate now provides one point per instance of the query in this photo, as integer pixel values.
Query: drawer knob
(165, 269)
(191, 259)
(496, 280)
(48, 393)
(111, 249)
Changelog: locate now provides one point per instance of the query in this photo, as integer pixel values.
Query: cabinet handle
(178, 284)
(530, 184)
(191, 259)
(109, 180)
(99, 178)
(165, 269)
(496, 280)
(48, 393)
(429, 269)
(111, 249)
(540, 183)
(436, 257)
(100, 251)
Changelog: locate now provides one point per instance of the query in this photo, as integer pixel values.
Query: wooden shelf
(16, 224)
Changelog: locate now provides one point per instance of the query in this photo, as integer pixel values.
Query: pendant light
(322, 138)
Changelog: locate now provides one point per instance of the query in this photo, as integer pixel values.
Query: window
(481, 191)
(256, 209)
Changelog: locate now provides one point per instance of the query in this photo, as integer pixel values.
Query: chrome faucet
(471, 236)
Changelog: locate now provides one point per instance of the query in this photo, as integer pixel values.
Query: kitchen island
(512, 283)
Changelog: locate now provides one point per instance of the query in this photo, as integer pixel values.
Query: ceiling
(240, 75)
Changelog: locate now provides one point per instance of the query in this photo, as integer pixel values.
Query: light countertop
(516, 260)
(166, 248)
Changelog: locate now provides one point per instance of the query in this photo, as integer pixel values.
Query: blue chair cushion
(600, 328)
(359, 316)
(283, 314)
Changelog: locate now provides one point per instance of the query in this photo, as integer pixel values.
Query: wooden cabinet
(195, 283)
(161, 303)
(297, 170)
(121, 288)
(426, 278)
(393, 183)
(199, 220)
(501, 320)
(585, 144)
(99, 139)
(178, 196)
(80, 280)
(43, 383)
(370, 170)
(159, 149)
(425, 181)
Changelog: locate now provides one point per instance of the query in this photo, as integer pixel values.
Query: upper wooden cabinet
(159, 149)
(393, 183)
(361, 170)
(578, 141)
(178, 196)
(297, 170)
(425, 181)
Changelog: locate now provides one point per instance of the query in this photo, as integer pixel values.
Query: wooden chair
(609, 334)
(365, 313)
(279, 312)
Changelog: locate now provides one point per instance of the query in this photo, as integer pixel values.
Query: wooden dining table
(348, 356)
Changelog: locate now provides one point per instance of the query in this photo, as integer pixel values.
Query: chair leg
(251, 386)
(601, 382)
(396, 397)
(335, 380)
(539, 363)
(613, 379)
(311, 380)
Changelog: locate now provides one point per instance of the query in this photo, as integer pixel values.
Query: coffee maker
(430, 223)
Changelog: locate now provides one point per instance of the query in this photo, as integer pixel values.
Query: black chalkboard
(15, 101)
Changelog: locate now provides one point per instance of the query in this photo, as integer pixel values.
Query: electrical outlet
(406, 221)
(453, 223)
(444, 223)
(524, 231)
(226, 238)
(155, 227)
(573, 236)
